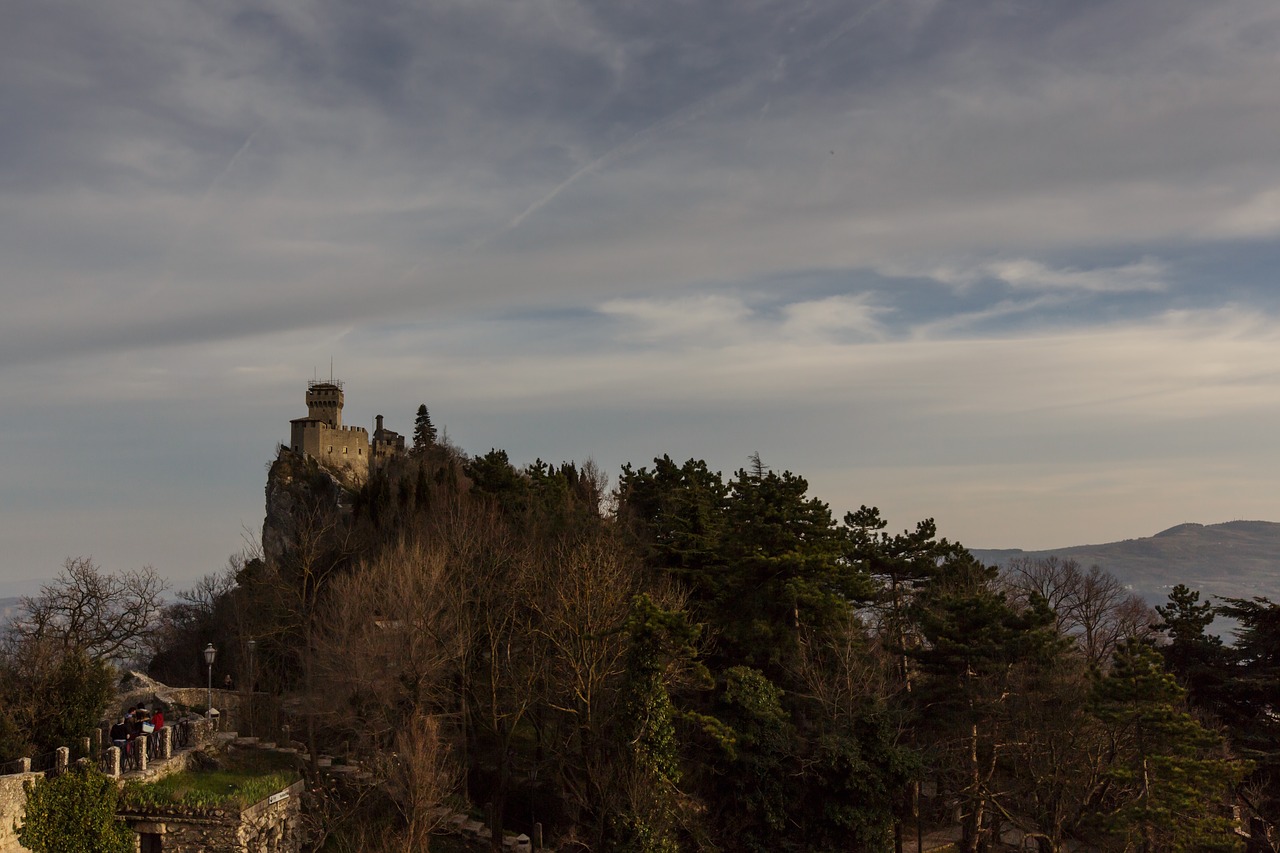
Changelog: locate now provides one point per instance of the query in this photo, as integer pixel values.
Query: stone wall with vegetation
(13, 802)
(273, 824)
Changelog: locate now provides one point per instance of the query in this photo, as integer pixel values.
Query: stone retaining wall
(272, 824)
(13, 803)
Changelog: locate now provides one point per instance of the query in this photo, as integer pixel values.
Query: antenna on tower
(330, 368)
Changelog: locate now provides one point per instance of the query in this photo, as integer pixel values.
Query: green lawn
(242, 781)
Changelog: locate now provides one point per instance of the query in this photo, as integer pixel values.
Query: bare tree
(504, 658)
(109, 617)
(842, 670)
(388, 644)
(419, 775)
(1056, 758)
(205, 612)
(583, 598)
(1093, 607)
(299, 579)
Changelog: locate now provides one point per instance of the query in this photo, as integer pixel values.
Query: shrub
(74, 812)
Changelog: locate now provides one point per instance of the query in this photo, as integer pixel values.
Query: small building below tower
(387, 443)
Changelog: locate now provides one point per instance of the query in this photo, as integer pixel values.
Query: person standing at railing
(142, 726)
(135, 722)
(120, 733)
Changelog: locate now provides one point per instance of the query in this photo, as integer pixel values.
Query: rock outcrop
(302, 497)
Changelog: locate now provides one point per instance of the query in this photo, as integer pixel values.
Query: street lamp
(253, 647)
(209, 654)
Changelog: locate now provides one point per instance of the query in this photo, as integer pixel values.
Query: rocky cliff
(302, 496)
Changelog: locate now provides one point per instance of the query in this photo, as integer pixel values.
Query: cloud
(835, 316)
(1144, 275)
(1147, 274)
(696, 321)
(390, 151)
(1253, 217)
(954, 229)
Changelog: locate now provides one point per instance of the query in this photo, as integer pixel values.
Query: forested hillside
(695, 661)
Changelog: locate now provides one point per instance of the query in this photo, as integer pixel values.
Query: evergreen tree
(976, 647)
(756, 765)
(657, 640)
(1171, 780)
(902, 565)
(677, 515)
(424, 432)
(1198, 659)
(77, 694)
(782, 571)
(1249, 694)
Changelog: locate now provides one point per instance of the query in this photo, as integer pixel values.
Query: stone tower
(324, 402)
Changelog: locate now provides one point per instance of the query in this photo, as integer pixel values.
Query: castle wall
(346, 447)
(322, 436)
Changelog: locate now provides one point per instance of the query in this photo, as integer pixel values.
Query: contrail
(681, 117)
(179, 242)
(230, 165)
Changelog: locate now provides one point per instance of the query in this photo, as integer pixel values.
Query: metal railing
(129, 758)
(44, 763)
(184, 734)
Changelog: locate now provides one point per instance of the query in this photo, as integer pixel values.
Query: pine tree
(424, 432)
(1171, 778)
(1198, 659)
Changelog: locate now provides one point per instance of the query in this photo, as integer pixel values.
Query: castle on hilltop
(345, 449)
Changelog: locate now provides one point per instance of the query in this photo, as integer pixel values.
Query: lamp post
(253, 647)
(209, 654)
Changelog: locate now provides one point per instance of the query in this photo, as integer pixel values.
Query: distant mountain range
(1237, 559)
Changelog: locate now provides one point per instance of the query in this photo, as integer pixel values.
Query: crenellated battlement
(306, 423)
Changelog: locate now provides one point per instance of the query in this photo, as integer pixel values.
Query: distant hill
(8, 609)
(1238, 559)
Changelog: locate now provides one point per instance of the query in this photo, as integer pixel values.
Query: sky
(1003, 263)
